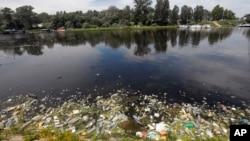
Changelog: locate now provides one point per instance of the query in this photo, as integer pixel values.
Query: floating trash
(143, 116)
(188, 125)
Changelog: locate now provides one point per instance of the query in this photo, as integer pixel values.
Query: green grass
(230, 23)
(121, 28)
(208, 22)
(113, 28)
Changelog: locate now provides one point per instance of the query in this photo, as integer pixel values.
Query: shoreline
(118, 117)
(223, 24)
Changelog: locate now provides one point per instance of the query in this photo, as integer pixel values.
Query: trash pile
(143, 116)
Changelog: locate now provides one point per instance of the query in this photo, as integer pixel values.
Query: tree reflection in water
(33, 44)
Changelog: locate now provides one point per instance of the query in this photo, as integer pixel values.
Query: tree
(142, 9)
(7, 18)
(7, 14)
(45, 19)
(207, 15)
(89, 15)
(69, 24)
(161, 14)
(126, 13)
(58, 20)
(112, 15)
(26, 15)
(217, 12)
(229, 15)
(150, 16)
(186, 14)
(198, 13)
(174, 15)
(126, 16)
(247, 18)
(76, 18)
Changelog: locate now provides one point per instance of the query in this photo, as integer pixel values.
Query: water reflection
(33, 43)
(220, 35)
(247, 33)
(199, 63)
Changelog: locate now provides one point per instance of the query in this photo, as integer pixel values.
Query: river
(177, 65)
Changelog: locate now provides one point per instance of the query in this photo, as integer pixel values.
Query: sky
(239, 7)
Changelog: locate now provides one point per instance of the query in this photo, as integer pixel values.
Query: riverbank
(126, 28)
(120, 116)
(225, 24)
(114, 28)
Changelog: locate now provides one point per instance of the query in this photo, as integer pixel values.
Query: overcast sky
(240, 7)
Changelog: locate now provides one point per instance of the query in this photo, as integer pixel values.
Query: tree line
(141, 14)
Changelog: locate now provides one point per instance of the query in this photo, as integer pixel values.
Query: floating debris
(59, 77)
(143, 116)
(31, 95)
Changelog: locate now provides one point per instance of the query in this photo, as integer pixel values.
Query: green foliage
(4, 134)
(186, 14)
(67, 136)
(86, 25)
(141, 14)
(106, 25)
(45, 133)
(174, 15)
(7, 14)
(112, 15)
(30, 136)
(228, 15)
(229, 23)
(198, 13)
(171, 136)
(247, 18)
(217, 12)
(26, 15)
(43, 17)
(161, 14)
(126, 13)
(115, 25)
(142, 10)
(6, 18)
(207, 15)
(69, 24)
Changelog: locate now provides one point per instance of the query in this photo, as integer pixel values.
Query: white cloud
(240, 7)
(50, 6)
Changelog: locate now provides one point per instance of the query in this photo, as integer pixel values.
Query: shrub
(86, 25)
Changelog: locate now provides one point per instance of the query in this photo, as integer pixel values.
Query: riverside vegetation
(142, 14)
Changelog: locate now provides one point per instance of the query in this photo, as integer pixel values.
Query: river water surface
(182, 66)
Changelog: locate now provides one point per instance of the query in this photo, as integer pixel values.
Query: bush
(106, 25)
(154, 24)
(86, 25)
(115, 25)
(93, 26)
